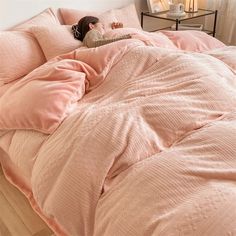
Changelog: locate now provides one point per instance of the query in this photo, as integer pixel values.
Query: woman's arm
(101, 42)
(95, 39)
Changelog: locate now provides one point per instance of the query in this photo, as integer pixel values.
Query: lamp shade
(157, 5)
(191, 5)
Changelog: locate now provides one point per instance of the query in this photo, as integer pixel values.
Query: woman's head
(84, 25)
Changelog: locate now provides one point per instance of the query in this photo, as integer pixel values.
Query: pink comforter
(150, 150)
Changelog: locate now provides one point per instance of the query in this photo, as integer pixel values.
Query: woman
(90, 31)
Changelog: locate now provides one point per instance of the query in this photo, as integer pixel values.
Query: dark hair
(80, 30)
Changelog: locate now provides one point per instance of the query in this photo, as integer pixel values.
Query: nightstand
(163, 16)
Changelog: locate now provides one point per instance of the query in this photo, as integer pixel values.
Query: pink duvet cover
(148, 150)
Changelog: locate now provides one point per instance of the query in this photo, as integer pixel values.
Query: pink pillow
(107, 18)
(55, 40)
(46, 17)
(5, 87)
(127, 15)
(42, 99)
(20, 53)
(72, 16)
(195, 41)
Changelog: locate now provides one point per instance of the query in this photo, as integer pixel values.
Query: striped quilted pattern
(227, 55)
(151, 151)
(19, 50)
(20, 53)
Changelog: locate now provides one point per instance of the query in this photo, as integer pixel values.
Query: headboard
(13, 12)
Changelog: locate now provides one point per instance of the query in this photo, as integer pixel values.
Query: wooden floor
(16, 215)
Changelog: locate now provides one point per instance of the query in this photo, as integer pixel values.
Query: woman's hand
(116, 25)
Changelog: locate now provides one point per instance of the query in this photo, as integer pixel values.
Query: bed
(136, 137)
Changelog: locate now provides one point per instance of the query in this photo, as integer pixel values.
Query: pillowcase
(196, 41)
(106, 19)
(72, 16)
(127, 15)
(46, 17)
(20, 53)
(55, 40)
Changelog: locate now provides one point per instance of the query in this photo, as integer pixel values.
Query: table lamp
(191, 6)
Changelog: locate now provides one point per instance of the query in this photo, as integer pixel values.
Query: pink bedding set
(132, 138)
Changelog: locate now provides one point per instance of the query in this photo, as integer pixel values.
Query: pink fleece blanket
(190, 40)
(42, 99)
(149, 150)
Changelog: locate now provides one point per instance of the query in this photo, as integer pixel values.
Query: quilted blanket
(149, 149)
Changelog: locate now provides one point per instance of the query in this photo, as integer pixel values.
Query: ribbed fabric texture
(151, 151)
(127, 15)
(55, 40)
(20, 53)
(44, 18)
(95, 39)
